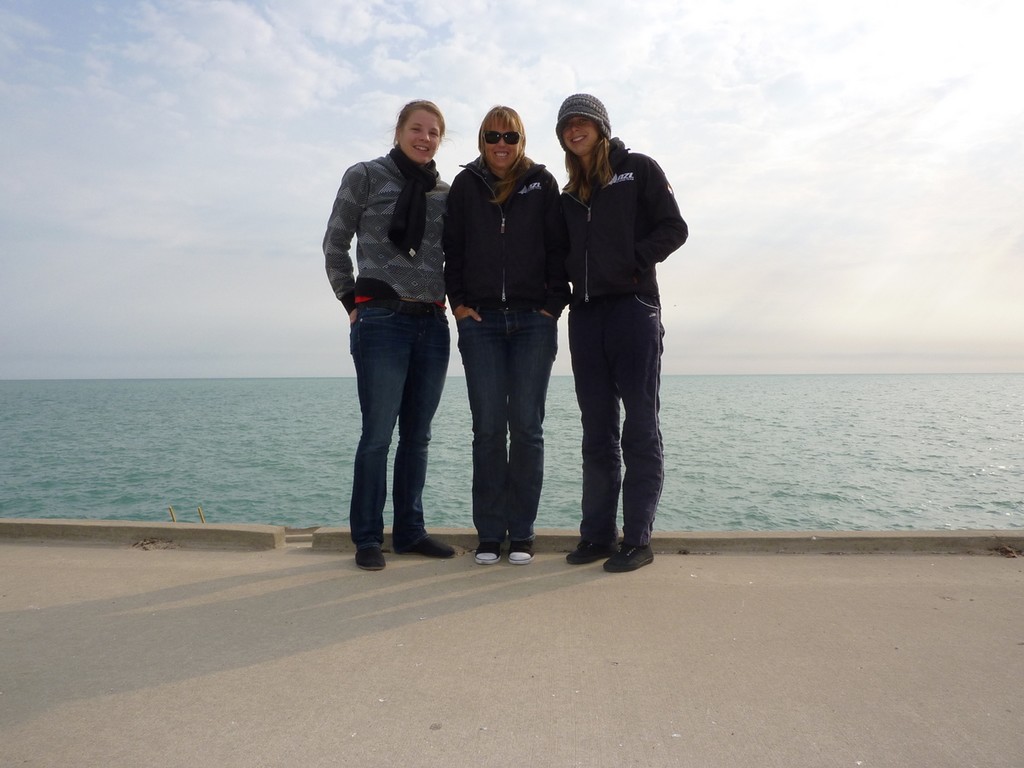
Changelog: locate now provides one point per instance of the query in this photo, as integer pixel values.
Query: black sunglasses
(493, 137)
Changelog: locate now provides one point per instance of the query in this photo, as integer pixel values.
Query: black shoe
(629, 558)
(432, 548)
(589, 552)
(370, 559)
(520, 552)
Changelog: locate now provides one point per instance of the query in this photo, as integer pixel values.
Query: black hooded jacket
(628, 227)
(510, 255)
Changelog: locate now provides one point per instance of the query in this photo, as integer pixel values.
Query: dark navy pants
(616, 345)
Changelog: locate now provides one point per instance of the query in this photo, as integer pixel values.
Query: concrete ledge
(741, 542)
(261, 537)
(144, 535)
(842, 542)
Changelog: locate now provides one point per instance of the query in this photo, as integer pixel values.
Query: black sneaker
(629, 558)
(589, 552)
(370, 559)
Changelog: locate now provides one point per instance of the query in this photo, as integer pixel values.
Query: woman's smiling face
(501, 156)
(580, 136)
(419, 136)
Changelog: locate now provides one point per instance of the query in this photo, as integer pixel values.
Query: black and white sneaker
(488, 553)
(520, 552)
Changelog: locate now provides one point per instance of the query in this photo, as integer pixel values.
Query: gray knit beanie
(583, 105)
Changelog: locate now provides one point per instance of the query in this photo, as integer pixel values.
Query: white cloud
(851, 174)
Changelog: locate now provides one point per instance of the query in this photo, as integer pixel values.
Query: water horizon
(752, 452)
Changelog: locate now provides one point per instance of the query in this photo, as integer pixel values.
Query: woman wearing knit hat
(623, 220)
(505, 244)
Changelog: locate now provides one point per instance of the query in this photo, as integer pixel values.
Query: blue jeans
(508, 358)
(616, 345)
(401, 362)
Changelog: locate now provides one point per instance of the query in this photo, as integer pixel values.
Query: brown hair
(581, 183)
(506, 119)
(412, 106)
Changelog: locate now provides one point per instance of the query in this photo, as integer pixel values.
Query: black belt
(403, 307)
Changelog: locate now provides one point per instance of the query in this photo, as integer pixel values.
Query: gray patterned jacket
(363, 209)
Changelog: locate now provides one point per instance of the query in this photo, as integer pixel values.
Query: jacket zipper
(501, 231)
(586, 253)
(503, 266)
(586, 263)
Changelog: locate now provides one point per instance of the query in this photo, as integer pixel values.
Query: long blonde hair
(581, 183)
(501, 118)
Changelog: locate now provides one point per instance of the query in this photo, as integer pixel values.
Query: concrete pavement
(163, 655)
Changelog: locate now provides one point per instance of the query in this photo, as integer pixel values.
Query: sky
(852, 174)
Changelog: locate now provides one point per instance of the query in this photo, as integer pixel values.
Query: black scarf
(410, 217)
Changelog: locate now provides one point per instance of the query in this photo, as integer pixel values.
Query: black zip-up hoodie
(627, 228)
(510, 255)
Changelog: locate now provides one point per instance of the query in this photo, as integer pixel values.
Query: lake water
(885, 452)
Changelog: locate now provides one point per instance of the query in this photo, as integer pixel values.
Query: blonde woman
(505, 246)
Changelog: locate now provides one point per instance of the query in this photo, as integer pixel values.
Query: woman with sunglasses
(623, 220)
(504, 240)
(394, 207)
